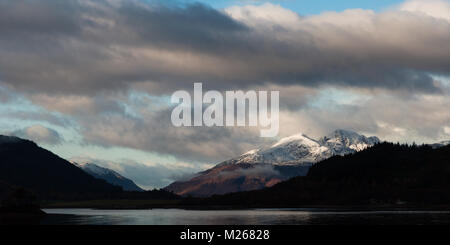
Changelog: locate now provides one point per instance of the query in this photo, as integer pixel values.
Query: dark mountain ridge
(24, 163)
(383, 174)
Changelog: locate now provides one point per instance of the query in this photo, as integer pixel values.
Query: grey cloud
(39, 134)
(83, 47)
(258, 171)
(80, 105)
(153, 132)
(196, 26)
(390, 116)
(5, 95)
(80, 57)
(17, 107)
(394, 116)
(98, 54)
(38, 17)
(42, 116)
(142, 122)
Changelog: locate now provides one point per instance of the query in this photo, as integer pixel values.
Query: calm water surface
(241, 217)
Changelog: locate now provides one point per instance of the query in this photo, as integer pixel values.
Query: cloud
(39, 134)
(435, 8)
(267, 170)
(38, 116)
(446, 130)
(91, 46)
(107, 65)
(4, 95)
(265, 15)
(390, 116)
(139, 121)
(78, 104)
(153, 132)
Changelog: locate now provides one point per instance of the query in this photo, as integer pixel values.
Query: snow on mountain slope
(290, 156)
(293, 150)
(299, 149)
(342, 142)
(109, 176)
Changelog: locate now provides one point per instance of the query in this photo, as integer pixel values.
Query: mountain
(440, 144)
(23, 163)
(109, 176)
(259, 168)
(300, 149)
(385, 174)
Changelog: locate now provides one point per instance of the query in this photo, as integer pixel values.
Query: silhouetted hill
(23, 163)
(383, 174)
(18, 206)
(17, 199)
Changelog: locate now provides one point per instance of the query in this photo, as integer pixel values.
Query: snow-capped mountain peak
(295, 139)
(301, 149)
(264, 167)
(343, 142)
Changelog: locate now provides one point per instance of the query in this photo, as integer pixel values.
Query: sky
(308, 7)
(91, 80)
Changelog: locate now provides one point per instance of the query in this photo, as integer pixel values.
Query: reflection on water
(240, 217)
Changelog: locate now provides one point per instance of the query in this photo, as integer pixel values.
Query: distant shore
(177, 204)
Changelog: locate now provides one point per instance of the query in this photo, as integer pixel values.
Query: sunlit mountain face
(93, 80)
(289, 157)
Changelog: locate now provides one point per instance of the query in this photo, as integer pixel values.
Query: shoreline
(175, 204)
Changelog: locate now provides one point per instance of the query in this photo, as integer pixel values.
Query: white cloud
(447, 130)
(263, 15)
(435, 8)
(39, 134)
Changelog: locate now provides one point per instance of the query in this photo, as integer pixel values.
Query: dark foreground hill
(25, 164)
(18, 206)
(17, 199)
(384, 174)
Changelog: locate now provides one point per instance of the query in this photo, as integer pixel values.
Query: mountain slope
(259, 168)
(293, 150)
(23, 163)
(440, 144)
(384, 174)
(109, 176)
